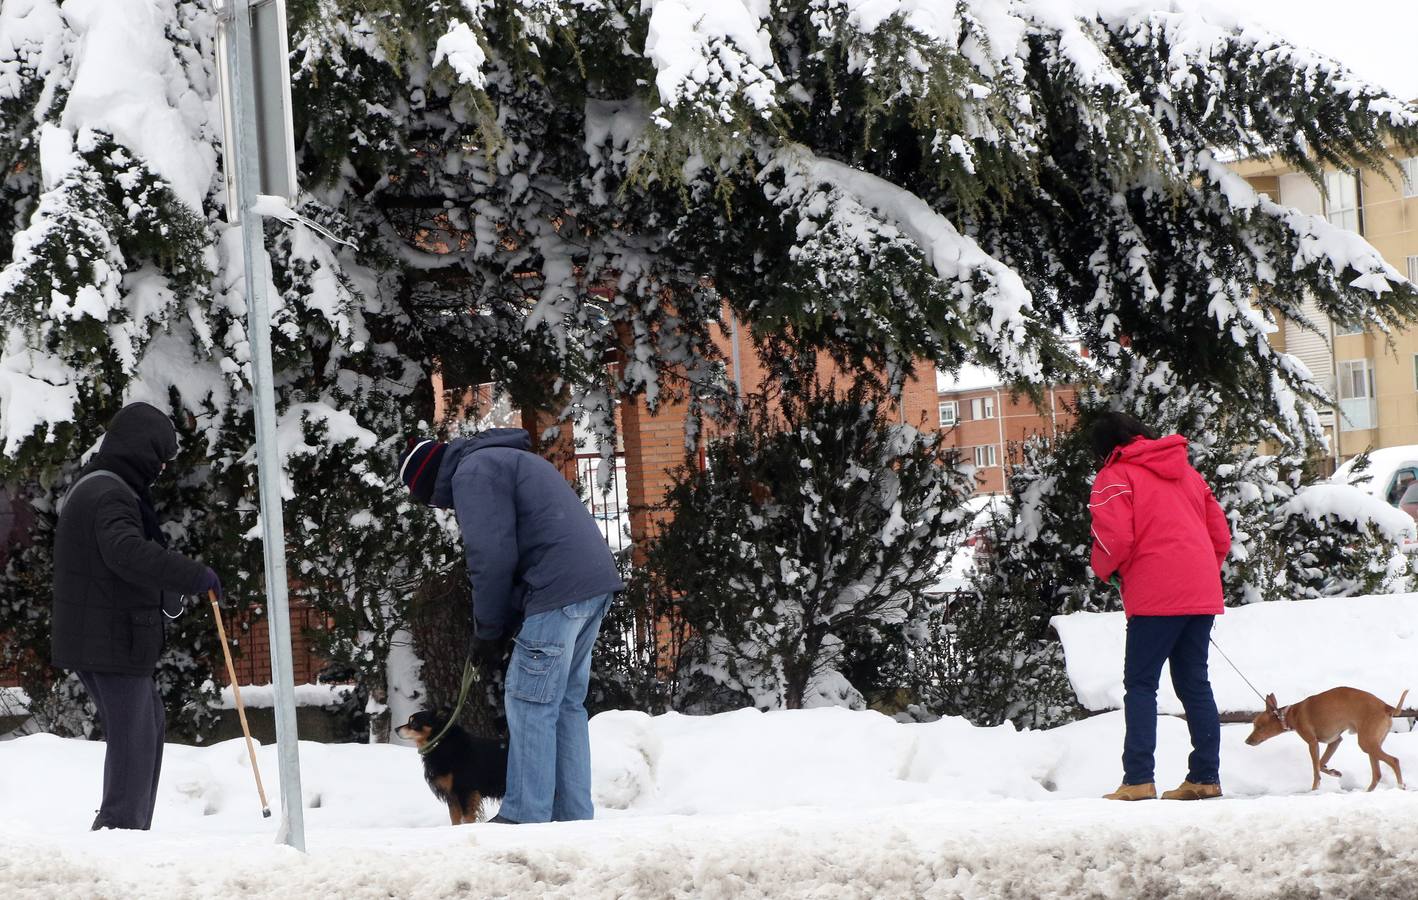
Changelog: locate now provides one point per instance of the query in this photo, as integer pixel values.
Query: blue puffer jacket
(532, 546)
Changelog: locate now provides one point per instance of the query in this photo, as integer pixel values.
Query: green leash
(470, 675)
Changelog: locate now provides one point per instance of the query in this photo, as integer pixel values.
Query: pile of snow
(263, 696)
(676, 765)
(1293, 650)
(464, 54)
(130, 82)
(712, 51)
(1346, 503)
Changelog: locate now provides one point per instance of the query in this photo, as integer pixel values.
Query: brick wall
(750, 374)
(918, 398)
(251, 648)
(654, 448)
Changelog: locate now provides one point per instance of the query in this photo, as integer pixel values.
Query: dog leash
(1279, 711)
(1234, 666)
(470, 675)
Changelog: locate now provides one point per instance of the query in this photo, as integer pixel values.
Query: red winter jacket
(1156, 524)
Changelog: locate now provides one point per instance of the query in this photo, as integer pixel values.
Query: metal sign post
(254, 75)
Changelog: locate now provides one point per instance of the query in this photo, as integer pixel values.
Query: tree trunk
(796, 687)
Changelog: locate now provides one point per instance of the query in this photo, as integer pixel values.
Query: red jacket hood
(1167, 457)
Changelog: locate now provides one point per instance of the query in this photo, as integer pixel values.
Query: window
(1356, 395)
(1413, 269)
(1398, 485)
(1356, 380)
(982, 408)
(1415, 371)
(985, 457)
(1341, 200)
(1409, 168)
(949, 412)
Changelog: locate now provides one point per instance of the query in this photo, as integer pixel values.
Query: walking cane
(240, 707)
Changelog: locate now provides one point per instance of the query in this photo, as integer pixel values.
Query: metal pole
(734, 346)
(268, 461)
(1334, 397)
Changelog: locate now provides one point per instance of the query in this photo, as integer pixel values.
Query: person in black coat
(114, 580)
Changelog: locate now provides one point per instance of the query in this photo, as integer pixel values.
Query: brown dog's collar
(1280, 714)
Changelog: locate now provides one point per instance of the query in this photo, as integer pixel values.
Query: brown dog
(1323, 719)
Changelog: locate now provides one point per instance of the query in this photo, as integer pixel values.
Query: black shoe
(499, 819)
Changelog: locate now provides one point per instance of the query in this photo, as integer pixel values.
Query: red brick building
(655, 443)
(983, 420)
(979, 414)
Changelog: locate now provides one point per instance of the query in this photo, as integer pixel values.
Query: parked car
(1389, 475)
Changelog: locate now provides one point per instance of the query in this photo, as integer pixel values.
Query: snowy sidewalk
(818, 803)
(1330, 845)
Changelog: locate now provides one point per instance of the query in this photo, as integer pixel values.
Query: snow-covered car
(1389, 473)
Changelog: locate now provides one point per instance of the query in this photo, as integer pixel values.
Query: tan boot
(1134, 792)
(1192, 791)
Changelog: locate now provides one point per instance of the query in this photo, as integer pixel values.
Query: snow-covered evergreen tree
(1294, 537)
(536, 188)
(124, 284)
(816, 520)
(959, 181)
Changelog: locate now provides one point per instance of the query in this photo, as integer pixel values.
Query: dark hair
(1112, 430)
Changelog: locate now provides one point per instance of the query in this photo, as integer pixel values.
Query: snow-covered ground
(819, 803)
(1293, 650)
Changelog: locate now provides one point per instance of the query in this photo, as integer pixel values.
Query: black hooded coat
(111, 563)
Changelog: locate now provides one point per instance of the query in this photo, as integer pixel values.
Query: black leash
(470, 675)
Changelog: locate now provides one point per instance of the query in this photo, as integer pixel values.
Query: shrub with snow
(814, 526)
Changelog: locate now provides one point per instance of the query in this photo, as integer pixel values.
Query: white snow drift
(1291, 649)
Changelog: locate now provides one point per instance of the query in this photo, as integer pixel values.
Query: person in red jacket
(1160, 536)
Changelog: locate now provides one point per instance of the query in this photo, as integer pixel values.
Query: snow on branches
(714, 56)
(460, 48)
(843, 213)
(123, 283)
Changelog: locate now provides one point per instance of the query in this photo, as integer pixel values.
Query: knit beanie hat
(418, 466)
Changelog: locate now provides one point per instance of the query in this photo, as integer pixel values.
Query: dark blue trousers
(130, 710)
(1182, 641)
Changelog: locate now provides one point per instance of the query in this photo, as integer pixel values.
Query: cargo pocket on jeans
(534, 666)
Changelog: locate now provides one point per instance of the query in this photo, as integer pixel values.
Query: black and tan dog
(462, 770)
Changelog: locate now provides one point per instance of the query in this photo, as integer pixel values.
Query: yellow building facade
(1373, 377)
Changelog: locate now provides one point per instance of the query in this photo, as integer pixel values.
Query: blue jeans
(1182, 641)
(549, 760)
